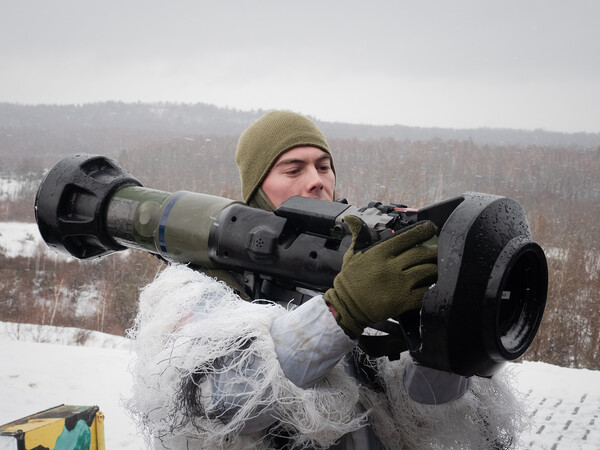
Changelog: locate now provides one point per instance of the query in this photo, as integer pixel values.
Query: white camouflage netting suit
(214, 371)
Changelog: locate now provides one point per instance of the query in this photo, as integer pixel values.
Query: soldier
(217, 369)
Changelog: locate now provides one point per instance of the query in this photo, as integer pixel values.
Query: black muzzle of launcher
(484, 310)
(72, 201)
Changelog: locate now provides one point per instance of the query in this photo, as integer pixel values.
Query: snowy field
(21, 239)
(40, 369)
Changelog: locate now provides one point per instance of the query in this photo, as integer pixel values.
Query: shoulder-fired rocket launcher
(484, 309)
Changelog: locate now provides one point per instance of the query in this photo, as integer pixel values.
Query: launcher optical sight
(484, 309)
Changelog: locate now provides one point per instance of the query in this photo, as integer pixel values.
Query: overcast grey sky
(459, 64)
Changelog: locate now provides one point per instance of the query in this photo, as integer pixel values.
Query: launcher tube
(175, 225)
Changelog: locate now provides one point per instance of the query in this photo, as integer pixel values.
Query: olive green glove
(383, 280)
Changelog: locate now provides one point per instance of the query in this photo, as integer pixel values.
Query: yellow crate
(64, 427)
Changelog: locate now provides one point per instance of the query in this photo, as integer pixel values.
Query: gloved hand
(383, 280)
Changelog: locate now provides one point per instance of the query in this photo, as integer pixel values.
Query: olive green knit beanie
(267, 139)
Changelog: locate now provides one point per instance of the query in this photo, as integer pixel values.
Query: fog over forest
(555, 176)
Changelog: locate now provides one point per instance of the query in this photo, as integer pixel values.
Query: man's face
(304, 171)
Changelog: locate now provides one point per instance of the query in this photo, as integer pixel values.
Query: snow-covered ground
(39, 370)
(41, 367)
(21, 239)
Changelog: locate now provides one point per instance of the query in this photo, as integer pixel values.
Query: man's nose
(313, 179)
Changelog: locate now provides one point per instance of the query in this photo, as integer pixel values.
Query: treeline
(96, 295)
(110, 127)
(558, 187)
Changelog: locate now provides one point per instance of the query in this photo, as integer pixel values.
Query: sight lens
(522, 300)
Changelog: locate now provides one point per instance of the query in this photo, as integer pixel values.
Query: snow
(35, 376)
(20, 239)
(564, 405)
(42, 367)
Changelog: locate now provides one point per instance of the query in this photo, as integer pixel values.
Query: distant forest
(555, 176)
(113, 126)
